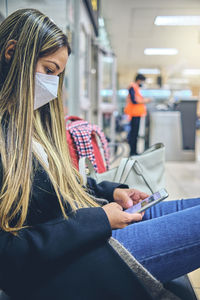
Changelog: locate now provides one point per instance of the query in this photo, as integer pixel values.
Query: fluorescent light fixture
(101, 22)
(191, 72)
(160, 51)
(149, 71)
(177, 21)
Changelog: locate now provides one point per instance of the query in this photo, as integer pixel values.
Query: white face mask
(46, 89)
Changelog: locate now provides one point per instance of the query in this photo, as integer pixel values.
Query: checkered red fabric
(84, 134)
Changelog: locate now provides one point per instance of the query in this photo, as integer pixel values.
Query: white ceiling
(130, 25)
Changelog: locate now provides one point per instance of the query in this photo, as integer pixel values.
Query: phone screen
(148, 202)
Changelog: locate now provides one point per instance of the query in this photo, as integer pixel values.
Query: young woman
(55, 240)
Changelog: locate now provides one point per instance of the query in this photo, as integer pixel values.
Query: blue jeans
(167, 241)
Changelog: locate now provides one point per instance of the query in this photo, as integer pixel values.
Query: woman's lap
(167, 241)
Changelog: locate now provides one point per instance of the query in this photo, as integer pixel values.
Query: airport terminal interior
(112, 41)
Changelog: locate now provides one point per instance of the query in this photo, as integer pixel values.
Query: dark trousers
(133, 134)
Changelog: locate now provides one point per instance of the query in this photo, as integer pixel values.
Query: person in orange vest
(135, 108)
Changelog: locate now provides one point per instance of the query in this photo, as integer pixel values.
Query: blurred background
(114, 40)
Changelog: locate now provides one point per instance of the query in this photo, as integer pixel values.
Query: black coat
(57, 259)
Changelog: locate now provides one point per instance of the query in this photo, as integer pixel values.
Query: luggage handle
(72, 118)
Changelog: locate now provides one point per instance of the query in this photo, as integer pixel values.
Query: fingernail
(130, 203)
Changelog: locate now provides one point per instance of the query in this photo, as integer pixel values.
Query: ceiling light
(177, 21)
(149, 71)
(160, 51)
(191, 72)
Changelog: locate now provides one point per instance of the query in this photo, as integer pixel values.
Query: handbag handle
(83, 161)
(72, 118)
(154, 147)
(129, 163)
(132, 163)
(120, 169)
(123, 171)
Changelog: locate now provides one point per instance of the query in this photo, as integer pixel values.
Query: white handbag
(144, 172)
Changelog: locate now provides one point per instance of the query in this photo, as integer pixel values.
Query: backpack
(83, 140)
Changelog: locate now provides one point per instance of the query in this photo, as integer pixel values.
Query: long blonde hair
(36, 36)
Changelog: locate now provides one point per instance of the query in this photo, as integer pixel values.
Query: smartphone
(148, 202)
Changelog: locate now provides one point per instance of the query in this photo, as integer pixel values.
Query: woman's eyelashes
(49, 71)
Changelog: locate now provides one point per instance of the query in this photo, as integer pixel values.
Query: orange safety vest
(135, 110)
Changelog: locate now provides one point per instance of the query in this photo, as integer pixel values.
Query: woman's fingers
(119, 218)
(131, 218)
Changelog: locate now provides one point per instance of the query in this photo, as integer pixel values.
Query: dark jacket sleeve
(49, 243)
(103, 189)
(45, 245)
(132, 95)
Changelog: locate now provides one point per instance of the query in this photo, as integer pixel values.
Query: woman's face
(53, 64)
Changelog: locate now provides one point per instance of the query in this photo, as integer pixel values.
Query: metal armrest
(182, 288)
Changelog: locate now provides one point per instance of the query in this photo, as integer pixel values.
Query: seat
(180, 286)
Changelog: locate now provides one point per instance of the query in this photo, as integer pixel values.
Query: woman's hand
(128, 197)
(119, 218)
